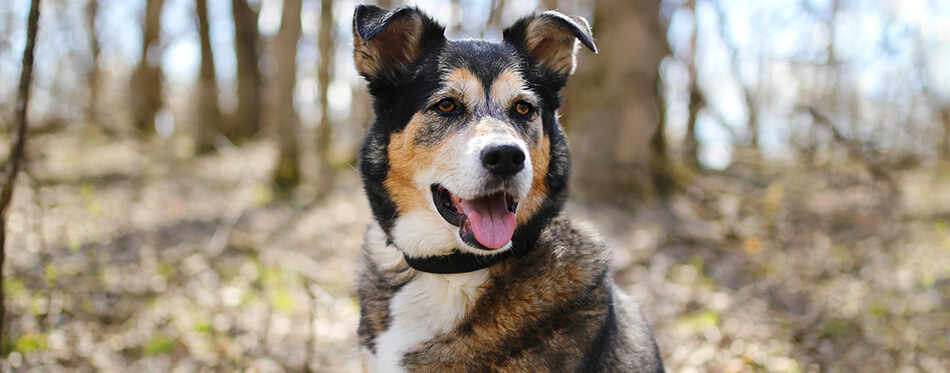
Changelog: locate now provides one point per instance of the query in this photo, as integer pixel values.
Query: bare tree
(16, 151)
(614, 109)
(494, 16)
(247, 121)
(146, 85)
(327, 172)
(209, 116)
(94, 75)
(696, 100)
(287, 174)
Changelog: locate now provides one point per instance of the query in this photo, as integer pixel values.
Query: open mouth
(486, 222)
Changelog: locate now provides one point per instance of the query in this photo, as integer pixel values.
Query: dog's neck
(463, 262)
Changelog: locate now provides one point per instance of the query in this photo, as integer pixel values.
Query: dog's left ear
(550, 39)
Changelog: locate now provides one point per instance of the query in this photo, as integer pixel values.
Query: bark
(247, 121)
(691, 143)
(696, 101)
(614, 108)
(287, 173)
(327, 173)
(146, 84)
(94, 75)
(209, 116)
(16, 151)
(945, 145)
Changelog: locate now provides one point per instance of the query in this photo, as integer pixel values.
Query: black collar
(462, 262)
(456, 262)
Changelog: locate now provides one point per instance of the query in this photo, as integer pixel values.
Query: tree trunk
(753, 120)
(247, 121)
(691, 143)
(614, 108)
(494, 16)
(945, 146)
(209, 116)
(16, 151)
(94, 75)
(696, 102)
(287, 173)
(327, 173)
(146, 85)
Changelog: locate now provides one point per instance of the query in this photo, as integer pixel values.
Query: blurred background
(772, 177)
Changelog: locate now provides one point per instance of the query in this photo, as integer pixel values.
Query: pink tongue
(491, 221)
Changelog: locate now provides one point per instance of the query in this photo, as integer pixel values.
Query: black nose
(503, 160)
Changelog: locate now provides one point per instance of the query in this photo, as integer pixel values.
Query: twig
(853, 150)
(233, 213)
(16, 153)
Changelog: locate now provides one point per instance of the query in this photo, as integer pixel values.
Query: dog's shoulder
(625, 342)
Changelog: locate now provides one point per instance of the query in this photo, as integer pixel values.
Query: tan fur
(465, 86)
(551, 47)
(508, 88)
(406, 161)
(540, 160)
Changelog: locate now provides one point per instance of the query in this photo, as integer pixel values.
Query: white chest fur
(427, 306)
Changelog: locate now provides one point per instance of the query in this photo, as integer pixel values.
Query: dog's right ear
(387, 42)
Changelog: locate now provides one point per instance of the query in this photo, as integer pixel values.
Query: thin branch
(853, 150)
(16, 152)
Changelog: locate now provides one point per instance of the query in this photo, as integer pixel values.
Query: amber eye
(446, 105)
(523, 108)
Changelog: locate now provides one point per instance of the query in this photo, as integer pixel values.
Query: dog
(469, 265)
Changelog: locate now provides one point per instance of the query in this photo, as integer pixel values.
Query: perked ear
(551, 39)
(387, 42)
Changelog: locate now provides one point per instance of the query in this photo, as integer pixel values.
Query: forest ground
(130, 256)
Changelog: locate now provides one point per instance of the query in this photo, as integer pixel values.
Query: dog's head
(466, 152)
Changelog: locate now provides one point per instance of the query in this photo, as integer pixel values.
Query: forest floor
(139, 257)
